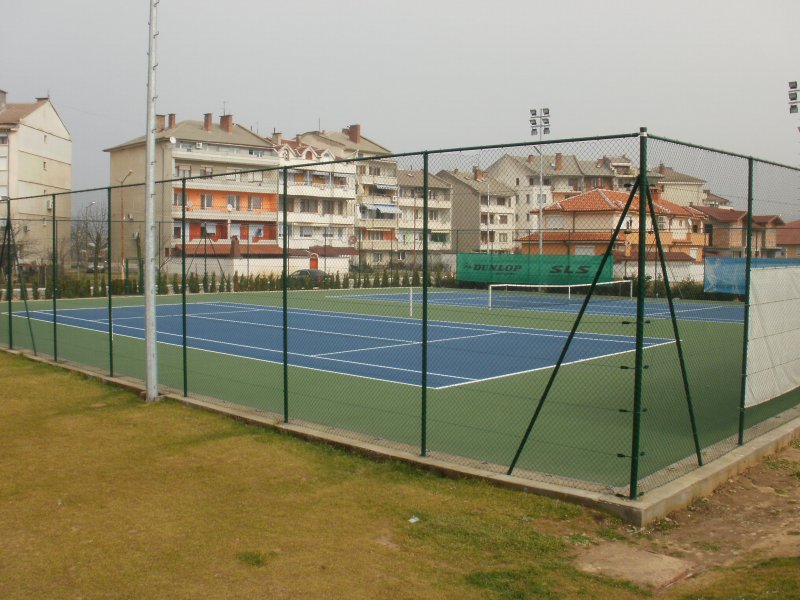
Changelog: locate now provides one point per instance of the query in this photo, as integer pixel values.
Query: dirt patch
(754, 516)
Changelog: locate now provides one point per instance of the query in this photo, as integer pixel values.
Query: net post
(108, 282)
(285, 275)
(424, 387)
(183, 291)
(639, 359)
(746, 333)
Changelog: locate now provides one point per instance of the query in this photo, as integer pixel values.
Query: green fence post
(55, 280)
(9, 283)
(747, 267)
(285, 269)
(183, 289)
(108, 279)
(425, 277)
(639, 360)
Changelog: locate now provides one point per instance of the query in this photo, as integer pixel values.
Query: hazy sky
(416, 75)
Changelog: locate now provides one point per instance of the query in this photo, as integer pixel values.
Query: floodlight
(533, 121)
(533, 112)
(793, 109)
(545, 121)
(535, 131)
(793, 96)
(546, 131)
(546, 112)
(792, 85)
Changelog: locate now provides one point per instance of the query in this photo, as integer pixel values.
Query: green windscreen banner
(531, 268)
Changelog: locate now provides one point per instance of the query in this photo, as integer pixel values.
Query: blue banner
(726, 275)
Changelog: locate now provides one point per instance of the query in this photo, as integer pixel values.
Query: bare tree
(89, 235)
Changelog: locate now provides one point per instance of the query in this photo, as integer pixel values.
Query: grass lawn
(104, 496)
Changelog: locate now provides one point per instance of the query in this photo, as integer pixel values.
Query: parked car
(307, 277)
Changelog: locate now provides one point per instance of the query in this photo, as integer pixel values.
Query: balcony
(216, 214)
(232, 183)
(376, 223)
(320, 219)
(319, 190)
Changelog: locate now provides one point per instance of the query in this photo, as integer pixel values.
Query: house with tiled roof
(35, 160)
(583, 224)
(788, 239)
(727, 232)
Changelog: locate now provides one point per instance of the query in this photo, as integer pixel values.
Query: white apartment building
(483, 211)
(35, 160)
(410, 222)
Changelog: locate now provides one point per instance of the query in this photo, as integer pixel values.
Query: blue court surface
(600, 305)
(359, 345)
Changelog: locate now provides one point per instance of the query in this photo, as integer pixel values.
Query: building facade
(35, 160)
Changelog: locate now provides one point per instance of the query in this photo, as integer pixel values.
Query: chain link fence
(604, 313)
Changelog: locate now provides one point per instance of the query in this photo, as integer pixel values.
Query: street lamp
(540, 125)
(122, 227)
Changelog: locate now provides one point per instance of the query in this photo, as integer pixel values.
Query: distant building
(440, 215)
(483, 212)
(218, 209)
(788, 239)
(727, 233)
(35, 160)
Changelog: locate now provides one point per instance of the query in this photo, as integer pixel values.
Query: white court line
(416, 343)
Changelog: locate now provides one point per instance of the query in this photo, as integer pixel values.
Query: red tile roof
(789, 234)
(598, 200)
(653, 256)
(572, 236)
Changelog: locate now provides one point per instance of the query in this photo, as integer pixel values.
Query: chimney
(207, 121)
(353, 132)
(559, 161)
(2, 99)
(160, 119)
(171, 121)
(236, 249)
(530, 158)
(478, 174)
(226, 122)
(662, 169)
(277, 138)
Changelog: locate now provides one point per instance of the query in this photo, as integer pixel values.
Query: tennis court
(367, 346)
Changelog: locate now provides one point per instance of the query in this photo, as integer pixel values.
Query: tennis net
(527, 296)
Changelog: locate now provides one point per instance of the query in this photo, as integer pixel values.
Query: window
(177, 230)
(207, 229)
(234, 201)
(528, 217)
(502, 237)
(555, 222)
(362, 169)
(236, 230)
(433, 214)
(377, 257)
(531, 181)
(439, 237)
(517, 181)
(306, 232)
(572, 182)
(254, 203)
(44, 166)
(207, 171)
(584, 250)
(374, 170)
(662, 223)
(693, 253)
(502, 219)
(206, 200)
(500, 201)
(183, 171)
(307, 205)
(3, 140)
(527, 198)
(375, 236)
(177, 198)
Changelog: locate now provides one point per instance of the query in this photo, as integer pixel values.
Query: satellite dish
(172, 140)
(229, 207)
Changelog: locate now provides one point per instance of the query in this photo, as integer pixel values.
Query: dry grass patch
(104, 496)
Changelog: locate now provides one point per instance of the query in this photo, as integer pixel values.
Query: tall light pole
(540, 125)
